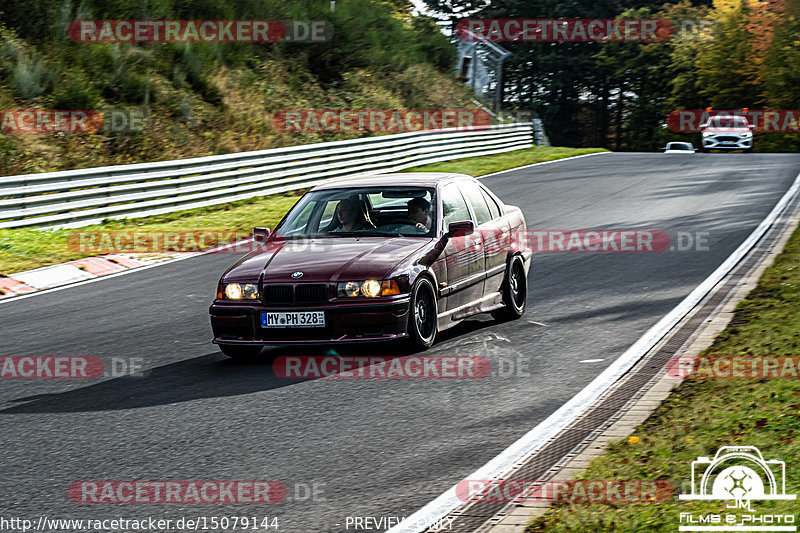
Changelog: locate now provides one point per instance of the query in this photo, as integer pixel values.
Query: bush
(29, 77)
(7, 150)
(75, 92)
(129, 87)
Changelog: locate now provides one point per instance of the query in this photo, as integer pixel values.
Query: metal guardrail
(74, 198)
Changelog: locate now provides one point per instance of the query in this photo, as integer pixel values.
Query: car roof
(411, 179)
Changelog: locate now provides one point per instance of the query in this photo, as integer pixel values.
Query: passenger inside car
(349, 217)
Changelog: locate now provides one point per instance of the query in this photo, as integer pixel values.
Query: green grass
(25, 249)
(479, 166)
(702, 415)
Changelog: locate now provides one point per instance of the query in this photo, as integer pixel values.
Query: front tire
(240, 353)
(515, 291)
(422, 316)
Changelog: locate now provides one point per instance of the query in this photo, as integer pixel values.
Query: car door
(463, 255)
(496, 245)
(490, 228)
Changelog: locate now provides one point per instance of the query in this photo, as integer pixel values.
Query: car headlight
(240, 291)
(349, 288)
(707, 134)
(747, 134)
(370, 288)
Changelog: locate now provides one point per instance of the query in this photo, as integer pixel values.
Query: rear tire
(515, 291)
(422, 314)
(240, 353)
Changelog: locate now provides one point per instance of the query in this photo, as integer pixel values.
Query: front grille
(305, 293)
(728, 139)
(278, 294)
(310, 293)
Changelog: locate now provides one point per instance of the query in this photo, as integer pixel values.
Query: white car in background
(679, 148)
(725, 132)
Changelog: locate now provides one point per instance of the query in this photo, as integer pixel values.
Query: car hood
(325, 259)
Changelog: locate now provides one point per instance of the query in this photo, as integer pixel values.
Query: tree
(727, 75)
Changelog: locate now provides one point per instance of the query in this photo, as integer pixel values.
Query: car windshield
(362, 212)
(728, 122)
(679, 146)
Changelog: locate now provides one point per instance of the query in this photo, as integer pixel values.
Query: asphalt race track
(380, 447)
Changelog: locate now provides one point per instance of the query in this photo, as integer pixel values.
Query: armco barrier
(74, 198)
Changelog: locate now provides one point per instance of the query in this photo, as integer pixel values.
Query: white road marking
(52, 276)
(495, 336)
(591, 360)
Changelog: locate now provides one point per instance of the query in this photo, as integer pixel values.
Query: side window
(473, 195)
(327, 214)
(453, 205)
(494, 209)
(300, 222)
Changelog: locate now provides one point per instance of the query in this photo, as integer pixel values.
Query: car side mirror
(455, 229)
(462, 227)
(751, 126)
(261, 234)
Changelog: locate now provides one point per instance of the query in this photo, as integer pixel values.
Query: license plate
(293, 319)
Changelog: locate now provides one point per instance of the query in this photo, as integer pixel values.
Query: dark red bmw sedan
(376, 258)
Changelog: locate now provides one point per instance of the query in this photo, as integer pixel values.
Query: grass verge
(701, 415)
(25, 249)
(480, 166)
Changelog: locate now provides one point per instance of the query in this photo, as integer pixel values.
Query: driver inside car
(419, 213)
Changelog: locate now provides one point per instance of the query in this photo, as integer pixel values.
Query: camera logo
(738, 473)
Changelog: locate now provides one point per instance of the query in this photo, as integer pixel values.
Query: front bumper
(727, 141)
(240, 323)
